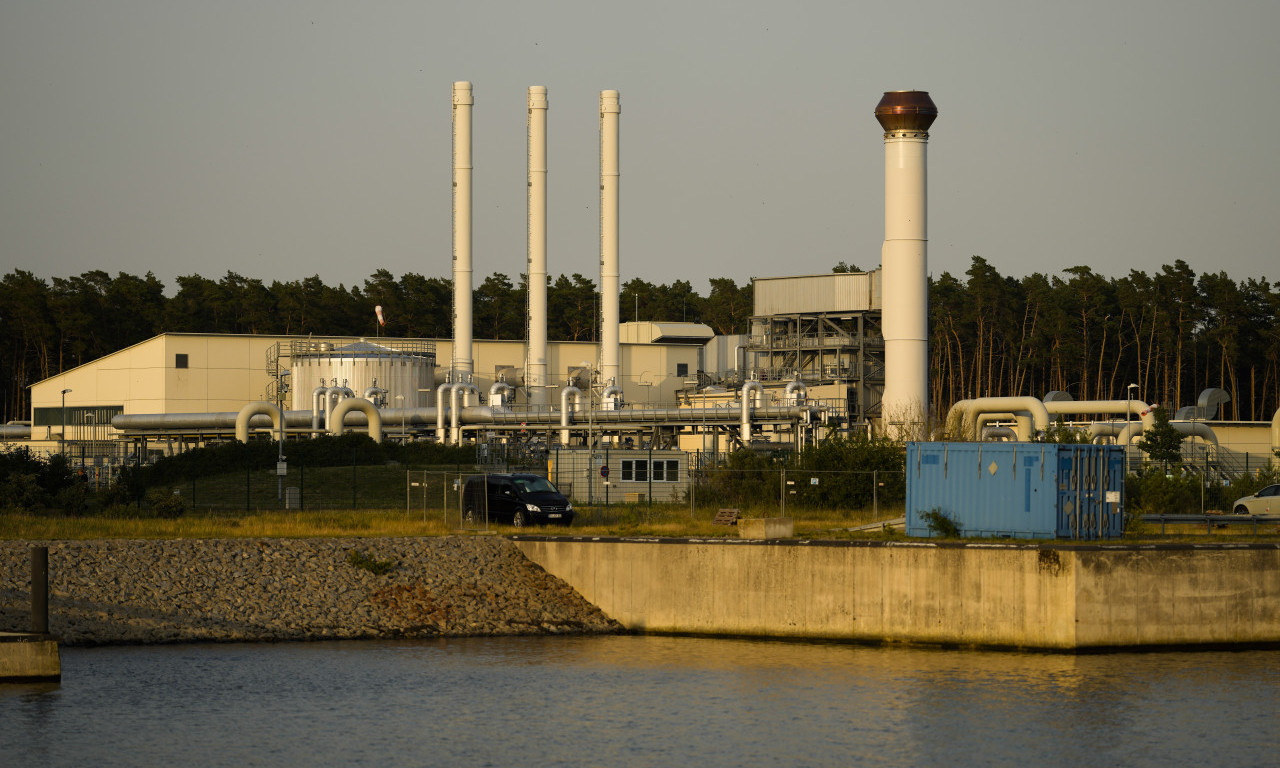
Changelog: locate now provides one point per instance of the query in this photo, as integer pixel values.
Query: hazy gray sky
(284, 139)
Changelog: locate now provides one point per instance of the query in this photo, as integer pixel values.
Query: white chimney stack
(536, 357)
(610, 110)
(461, 366)
(905, 117)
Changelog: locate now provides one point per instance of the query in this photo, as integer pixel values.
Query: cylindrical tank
(403, 367)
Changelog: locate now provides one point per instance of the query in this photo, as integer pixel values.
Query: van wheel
(518, 520)
(1242, 510)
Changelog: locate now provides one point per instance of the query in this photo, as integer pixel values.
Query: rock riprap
(169, 591)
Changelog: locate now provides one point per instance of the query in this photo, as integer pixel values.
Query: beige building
(187, 373)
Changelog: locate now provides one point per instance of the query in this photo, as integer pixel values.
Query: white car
(1264, 502)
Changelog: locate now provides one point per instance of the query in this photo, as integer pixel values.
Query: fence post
(248, 483)
(353, 483)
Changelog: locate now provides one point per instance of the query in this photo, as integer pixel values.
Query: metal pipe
(610, 110)
(536, 355)
(338, 428)
(440, 409)
(462, 279)
(746, 408)
(249, 410)
(564, 410)
(498, 393)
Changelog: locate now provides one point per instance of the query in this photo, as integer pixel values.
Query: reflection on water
(640, 701)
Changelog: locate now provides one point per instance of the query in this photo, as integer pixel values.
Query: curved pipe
(1104, 408)
(440, 409)
(1192, 428)
(337, 428)
(993, 433)
(251, 409)
(1039, 415)
(564, 410)
(318, 396)
(375, 395)
(796, 392)
(467, 390)
(746, 408)
(611, 397)
(499, 392)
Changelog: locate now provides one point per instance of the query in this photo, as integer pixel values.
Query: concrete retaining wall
(1056, 597)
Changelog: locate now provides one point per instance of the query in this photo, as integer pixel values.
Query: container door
(1068, 493)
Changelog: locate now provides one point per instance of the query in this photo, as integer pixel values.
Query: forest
(1173, 333)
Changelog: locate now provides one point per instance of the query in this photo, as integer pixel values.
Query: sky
(283, 139)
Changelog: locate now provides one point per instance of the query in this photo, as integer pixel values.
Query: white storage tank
(404, 367)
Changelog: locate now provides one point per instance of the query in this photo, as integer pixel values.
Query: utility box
(1017, 490)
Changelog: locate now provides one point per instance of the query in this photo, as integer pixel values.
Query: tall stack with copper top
(905, 117)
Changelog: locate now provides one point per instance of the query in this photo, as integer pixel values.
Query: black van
(517, 500)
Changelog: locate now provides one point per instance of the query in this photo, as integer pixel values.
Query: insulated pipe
(611, 397)
(440, 409)
(357, 404)
(564, 410)
(462, 103)
(498, 393)
(1031, 405)
(15, 432)
(993, 433)
(317, 405)
(1194, 428)
(536, 355)
(1103, 407)
(610, 109)
(796, 392)
(372, 394)
(466, 389)
(247, 412)
(746, 408)
(905, 117)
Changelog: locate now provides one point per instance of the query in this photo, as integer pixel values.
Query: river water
(640, 701)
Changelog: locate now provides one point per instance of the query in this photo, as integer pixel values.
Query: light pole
(1127, 414)
(62, 438)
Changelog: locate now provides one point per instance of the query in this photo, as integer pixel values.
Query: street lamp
(62, 438)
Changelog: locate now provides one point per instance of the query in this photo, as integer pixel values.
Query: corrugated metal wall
(813, 294)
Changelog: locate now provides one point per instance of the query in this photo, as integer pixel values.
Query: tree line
(1173, 333)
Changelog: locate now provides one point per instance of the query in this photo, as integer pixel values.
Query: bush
(165, 503)
(940, 525)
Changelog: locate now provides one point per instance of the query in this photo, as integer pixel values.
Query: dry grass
(672, 521)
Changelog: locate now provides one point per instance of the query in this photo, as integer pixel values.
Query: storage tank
(1017, 490)
(403, 367)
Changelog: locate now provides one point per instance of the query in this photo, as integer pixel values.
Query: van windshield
(534, 485)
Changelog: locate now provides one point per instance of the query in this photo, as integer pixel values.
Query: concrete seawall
(998, 595)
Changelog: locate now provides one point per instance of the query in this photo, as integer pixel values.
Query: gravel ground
(147, 591)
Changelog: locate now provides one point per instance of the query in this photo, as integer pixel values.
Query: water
(640, 701)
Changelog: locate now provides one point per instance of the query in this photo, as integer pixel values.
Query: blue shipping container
(1017, 490)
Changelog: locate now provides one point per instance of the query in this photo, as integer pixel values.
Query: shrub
(940, 524)
(370, 564)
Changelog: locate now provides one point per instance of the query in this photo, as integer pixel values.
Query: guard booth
(1017, 490)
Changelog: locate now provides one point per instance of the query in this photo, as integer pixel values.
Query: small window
(642, 471)
(628, 469)
(179, 361)
(673, 471)
(682, 369)
(657, 472)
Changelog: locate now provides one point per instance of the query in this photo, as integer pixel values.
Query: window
(179, 361)
(638, 470)
(682, 369)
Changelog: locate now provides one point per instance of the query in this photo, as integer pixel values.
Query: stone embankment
(144, 591)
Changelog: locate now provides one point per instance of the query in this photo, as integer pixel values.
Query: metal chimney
(610, 109)
(905, 117)
(536, 355)
(461, 365)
